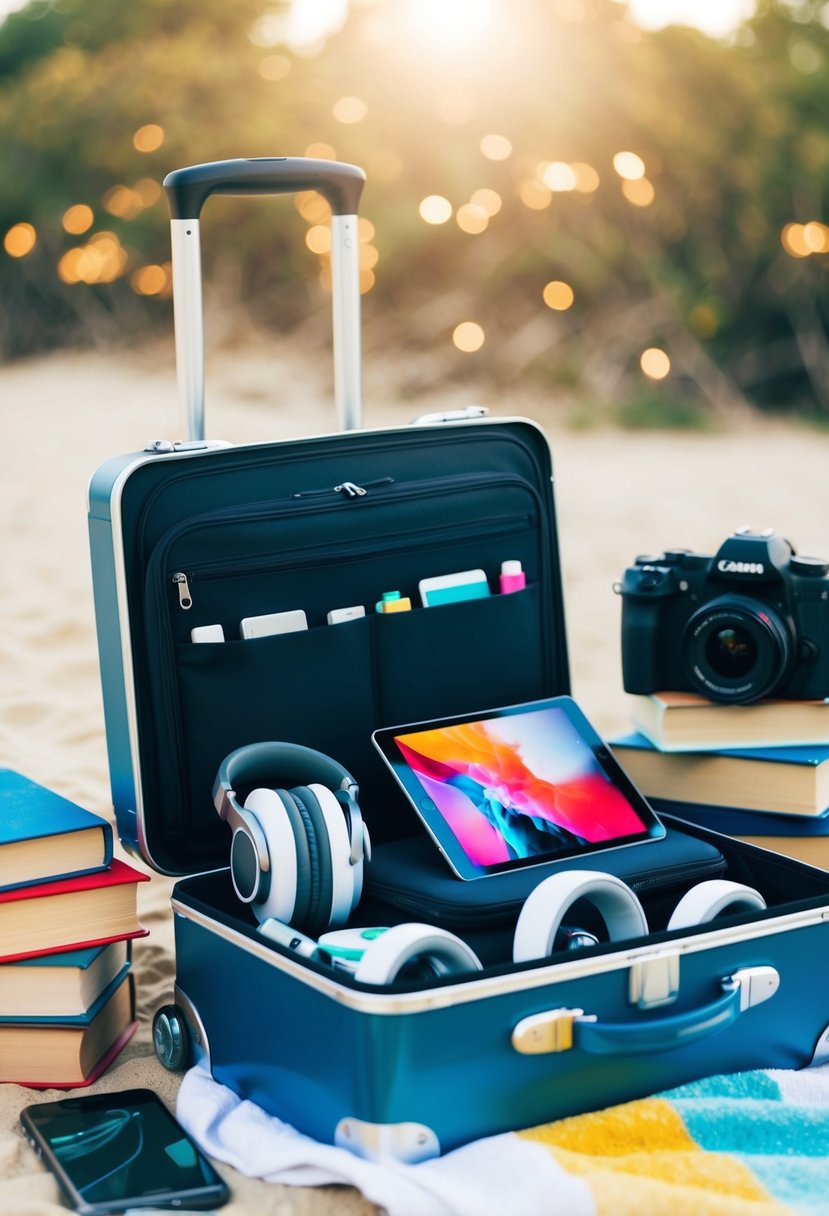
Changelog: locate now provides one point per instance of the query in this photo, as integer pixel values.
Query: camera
(752, 621)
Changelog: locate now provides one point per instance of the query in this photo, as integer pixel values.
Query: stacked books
(67, 914)
(760, 771)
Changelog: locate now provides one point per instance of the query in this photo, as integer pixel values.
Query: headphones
(540, 930)
(299, 842)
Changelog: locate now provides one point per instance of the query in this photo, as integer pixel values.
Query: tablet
(516, 787)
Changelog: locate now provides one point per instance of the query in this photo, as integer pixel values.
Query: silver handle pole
(345, 289)
(189, 325)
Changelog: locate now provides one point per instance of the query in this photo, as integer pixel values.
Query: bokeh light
(468, 336)
(488, 200)
(496, 147)
(349, 110)
(587, 179)
(472, 219)
(435, 209)
(558, 176)
(640, 191)
(558, 295)
(274, 67)
(148, 138)
(629, 165)
(534, 194)
(78, 219)
(655, 363)
(20, 240)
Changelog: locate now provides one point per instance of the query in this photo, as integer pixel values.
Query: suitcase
(202, 534)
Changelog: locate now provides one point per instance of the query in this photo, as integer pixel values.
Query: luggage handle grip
(188, 189)
(563, 1029)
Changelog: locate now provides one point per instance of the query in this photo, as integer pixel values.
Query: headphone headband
(291, 763)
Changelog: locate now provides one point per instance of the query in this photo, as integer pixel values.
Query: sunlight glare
(717, 18)
(451, 24)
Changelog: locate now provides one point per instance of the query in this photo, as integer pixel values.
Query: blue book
(44, 836)
(786, 782)
(60, 985)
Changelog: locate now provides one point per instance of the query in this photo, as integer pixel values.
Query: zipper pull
(350, 490)
(185, 598)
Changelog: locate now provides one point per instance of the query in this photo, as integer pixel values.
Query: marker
(512, 577)
(393, 601)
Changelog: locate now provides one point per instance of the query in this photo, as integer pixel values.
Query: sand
(618, 494)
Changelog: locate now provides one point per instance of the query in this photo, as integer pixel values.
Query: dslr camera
(752, 621)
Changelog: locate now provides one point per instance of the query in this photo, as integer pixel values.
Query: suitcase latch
(654, 979)
(544, 1032)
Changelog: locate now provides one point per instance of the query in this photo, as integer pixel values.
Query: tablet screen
(516, 786)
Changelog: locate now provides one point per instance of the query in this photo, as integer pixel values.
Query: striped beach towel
(744, 1144)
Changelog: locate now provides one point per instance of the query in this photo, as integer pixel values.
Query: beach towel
(744, 1144)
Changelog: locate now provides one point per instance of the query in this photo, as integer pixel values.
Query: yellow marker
(393, 601)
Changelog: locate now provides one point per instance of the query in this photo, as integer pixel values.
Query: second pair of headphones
(299, 841)
(540, 930)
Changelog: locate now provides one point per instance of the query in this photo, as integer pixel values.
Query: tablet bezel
(438, 829)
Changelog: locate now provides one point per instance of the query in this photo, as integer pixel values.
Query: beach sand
(618, 494)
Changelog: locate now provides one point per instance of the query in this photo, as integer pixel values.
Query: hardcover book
(781, 780)
(71, 913)
(683, 721)
(69, 1052)
(43, 835)
(54, 985)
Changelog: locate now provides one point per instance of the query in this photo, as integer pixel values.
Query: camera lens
(736, 650)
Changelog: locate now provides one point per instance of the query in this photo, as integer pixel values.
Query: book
(683, 721)
(51, 985)
(87, 910)
(783, 780)
(69, 1052)
(43, 835)
(735, 821)
(812, 849)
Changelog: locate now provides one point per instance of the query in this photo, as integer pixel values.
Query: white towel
(486, 1178)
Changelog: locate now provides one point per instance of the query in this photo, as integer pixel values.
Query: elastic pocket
(458, 658)
(308, 687)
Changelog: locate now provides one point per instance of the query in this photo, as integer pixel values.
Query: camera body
(752, 621)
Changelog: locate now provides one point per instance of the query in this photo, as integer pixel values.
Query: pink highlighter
(512, 577)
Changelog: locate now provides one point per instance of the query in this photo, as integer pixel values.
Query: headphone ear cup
(341, 880)
(715, 897)
(430, 953)
(283, 888)
(315, 916)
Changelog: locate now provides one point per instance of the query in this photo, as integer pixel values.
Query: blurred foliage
(715, 254)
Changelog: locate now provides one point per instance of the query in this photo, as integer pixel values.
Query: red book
(86, 910)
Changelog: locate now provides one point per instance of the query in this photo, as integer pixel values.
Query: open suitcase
(199, 534)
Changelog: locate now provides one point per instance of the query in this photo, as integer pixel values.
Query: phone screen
(112, 1151)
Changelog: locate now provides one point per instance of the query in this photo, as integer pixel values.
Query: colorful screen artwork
(519, 786)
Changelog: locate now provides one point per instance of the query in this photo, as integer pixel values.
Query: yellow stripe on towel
(665, 1170)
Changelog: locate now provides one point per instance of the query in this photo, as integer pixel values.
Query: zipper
(183, 580)
(348, 489)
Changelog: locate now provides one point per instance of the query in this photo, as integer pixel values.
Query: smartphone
(111, 1152)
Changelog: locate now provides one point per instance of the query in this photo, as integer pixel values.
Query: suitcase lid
(372, 510)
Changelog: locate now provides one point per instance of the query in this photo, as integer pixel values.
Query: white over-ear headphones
(299, 841)
(546, 906)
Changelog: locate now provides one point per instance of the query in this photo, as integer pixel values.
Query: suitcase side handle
(563, 1029)
(187, 191)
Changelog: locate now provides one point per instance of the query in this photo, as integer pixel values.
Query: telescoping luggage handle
(188, 190)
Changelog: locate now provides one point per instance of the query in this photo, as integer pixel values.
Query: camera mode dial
(813, 567)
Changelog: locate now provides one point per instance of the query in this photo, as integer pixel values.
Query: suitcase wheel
(171, 1037)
